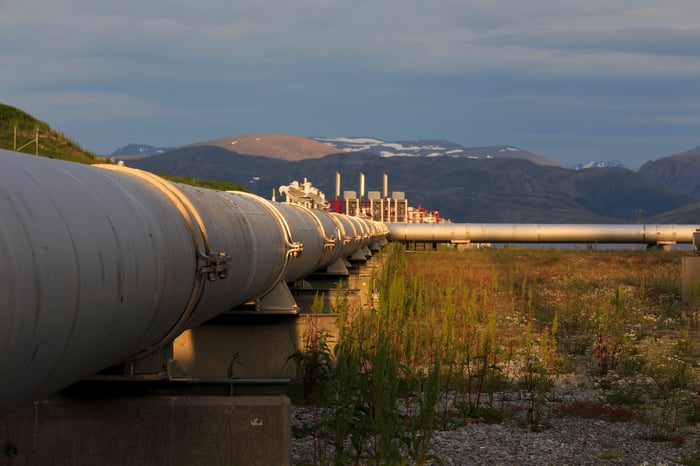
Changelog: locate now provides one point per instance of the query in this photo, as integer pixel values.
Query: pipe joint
(295, 248)
(216, 266)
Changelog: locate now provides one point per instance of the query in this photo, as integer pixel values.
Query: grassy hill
(56, 145)
(52, 143)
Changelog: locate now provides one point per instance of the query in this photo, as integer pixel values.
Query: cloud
(388, 36)
(470, 68)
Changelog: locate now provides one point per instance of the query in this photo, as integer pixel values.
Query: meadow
(487, 335)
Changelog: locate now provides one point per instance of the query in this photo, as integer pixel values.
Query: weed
(451, 336)
(608, 456)
(597, 410)
(314, 361)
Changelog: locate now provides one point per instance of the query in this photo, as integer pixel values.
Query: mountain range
(290, 147)
(466, 184)
(479, 185)
(284, 147)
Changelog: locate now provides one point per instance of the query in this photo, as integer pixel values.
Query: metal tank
(540, 233)
(99, 265)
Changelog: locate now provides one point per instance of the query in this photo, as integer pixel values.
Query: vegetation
(56, 145)
(51, 143)
(484, 335)
(209, 184)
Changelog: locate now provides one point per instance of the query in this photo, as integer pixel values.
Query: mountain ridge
(474, 190)
(282, 146)
(430, 148)
(293, 147)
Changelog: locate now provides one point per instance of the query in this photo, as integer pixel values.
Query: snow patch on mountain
(420, 148)
(598, 164)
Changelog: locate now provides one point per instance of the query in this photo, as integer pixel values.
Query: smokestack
(385, 179)
(337, 185)
(362, 185)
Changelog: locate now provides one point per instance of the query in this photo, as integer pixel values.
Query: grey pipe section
(540, 233)
(101, 264)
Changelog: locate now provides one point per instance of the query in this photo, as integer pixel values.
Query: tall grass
(453, 335)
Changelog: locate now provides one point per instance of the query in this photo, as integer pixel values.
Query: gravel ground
(567, 440)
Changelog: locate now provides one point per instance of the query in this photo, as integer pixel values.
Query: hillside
(679, 172)
(293, 148)
(52, 143)
(279, 146)
(463, 189)
(56, 145)
(689, 213)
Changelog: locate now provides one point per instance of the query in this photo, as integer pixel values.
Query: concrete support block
(149, 430)
(690, 282)
(261, 349)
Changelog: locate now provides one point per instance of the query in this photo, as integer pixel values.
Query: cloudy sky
(570, 80)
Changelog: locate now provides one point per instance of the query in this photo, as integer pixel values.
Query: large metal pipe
(540, 233)
(99, 264)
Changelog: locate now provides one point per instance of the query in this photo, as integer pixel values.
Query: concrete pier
(149, 430)
(690, 282)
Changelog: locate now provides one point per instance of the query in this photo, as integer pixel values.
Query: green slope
(52, 143)
(209, 184)
(56, 145)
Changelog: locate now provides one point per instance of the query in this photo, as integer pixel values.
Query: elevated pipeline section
(103, 264)
(540, 233)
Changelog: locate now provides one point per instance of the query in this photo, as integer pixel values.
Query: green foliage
(382, 409)
(55, 145)
(52, 144)
(314, 362)
(209, 184)
(453, 336)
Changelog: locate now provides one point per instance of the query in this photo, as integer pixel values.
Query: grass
(455, 336)
(208, 184)
(52, 143)
(56, 145)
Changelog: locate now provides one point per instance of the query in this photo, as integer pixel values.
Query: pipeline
(541, 233)
(101, 264)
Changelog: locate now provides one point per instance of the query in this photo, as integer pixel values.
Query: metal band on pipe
(200, 240)
(328, 241)
(294, 248)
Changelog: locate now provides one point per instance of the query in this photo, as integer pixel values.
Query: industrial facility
(372, 205)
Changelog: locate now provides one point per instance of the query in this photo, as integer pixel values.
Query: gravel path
(567, 440)
(570, 441)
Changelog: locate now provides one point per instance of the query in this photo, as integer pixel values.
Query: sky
(573, 81)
